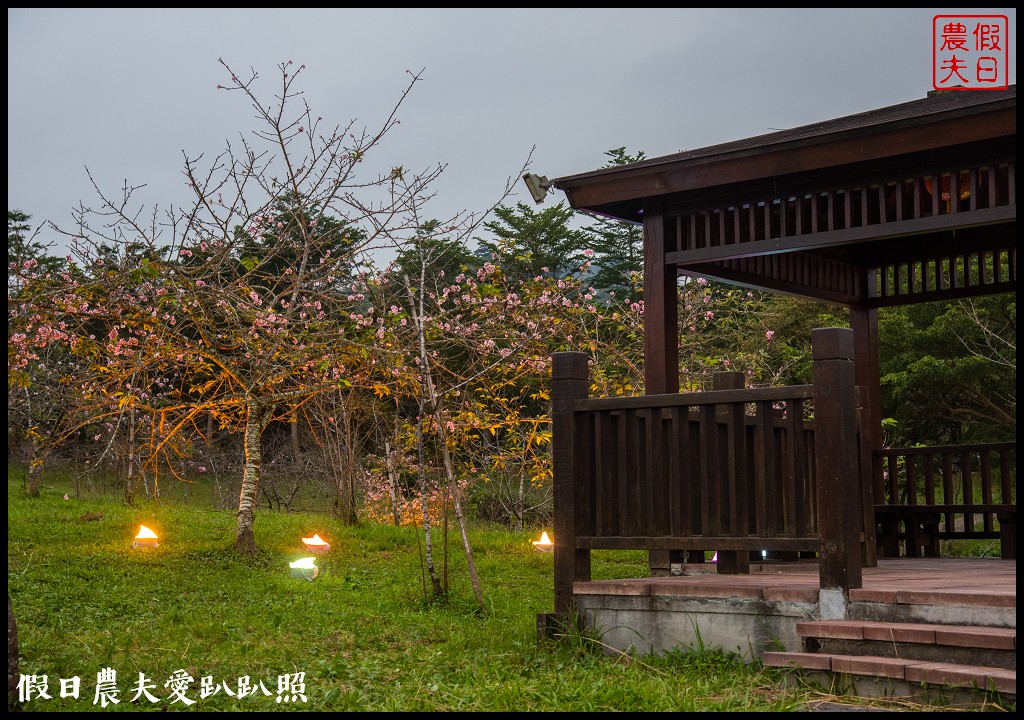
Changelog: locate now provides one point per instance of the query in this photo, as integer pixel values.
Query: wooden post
(570, 381)
(661, 334)
(867, 375)
(732, 495)
(835, 441)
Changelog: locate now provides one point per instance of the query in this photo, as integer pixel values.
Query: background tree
(435, 255)
(766, 336)
(618, 246)
(42, 397)
(25, 251)
(528, 244)
(949, 370)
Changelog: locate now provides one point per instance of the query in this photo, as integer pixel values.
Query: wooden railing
(957, 492)
(726, 470)
(736, 470)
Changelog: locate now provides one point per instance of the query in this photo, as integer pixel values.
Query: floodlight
(539, 186)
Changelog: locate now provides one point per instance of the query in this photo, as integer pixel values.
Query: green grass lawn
(362, 635)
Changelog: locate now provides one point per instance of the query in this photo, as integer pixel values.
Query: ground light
(544, 544)
(145, 539)
(304, 569)
(316, 544)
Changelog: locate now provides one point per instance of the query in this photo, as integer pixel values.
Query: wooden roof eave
(766, 271)
(622, 191)
(846, 237)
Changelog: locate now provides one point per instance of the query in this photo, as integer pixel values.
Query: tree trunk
(349, 465)
(435, 581)
(129, 483)
(255, 420)
(12, 656)
(293, 422)
(449, 469)
(342, 454)
(429, 396)
(389, 461)
(390, 464)
(520, 507)
(35, 470)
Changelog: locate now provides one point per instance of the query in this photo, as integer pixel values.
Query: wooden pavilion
(910, 203)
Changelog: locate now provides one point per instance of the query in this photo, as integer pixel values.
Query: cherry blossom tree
(240, 307)
(480, 342)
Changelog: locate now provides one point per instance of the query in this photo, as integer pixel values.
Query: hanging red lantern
(964, 186)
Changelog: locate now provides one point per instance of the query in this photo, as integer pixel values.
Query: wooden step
(912, 673)
(959, 644)
(924, 633)
(921, 660)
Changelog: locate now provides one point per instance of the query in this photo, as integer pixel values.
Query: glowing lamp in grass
(145, 539)
(544, 544)
(316, 544)
(304, 569)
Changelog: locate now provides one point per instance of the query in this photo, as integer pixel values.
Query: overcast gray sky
(125, 92)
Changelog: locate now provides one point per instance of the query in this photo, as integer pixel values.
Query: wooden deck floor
(763, 610)
(990, 582)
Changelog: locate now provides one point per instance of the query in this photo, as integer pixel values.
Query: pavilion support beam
(661, 335)
(867, 377)
(836, 455)
(661, 316)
